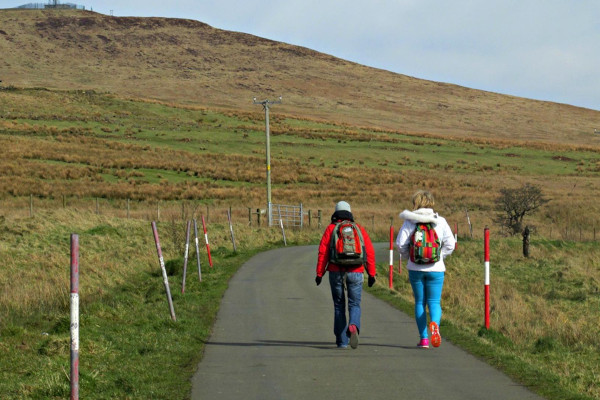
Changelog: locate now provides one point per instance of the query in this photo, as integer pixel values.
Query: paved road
(273, 339)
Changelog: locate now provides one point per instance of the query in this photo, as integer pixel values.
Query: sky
(538, 49)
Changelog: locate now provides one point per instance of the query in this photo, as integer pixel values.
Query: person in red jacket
(345, 332)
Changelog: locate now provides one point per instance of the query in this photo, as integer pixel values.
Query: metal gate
(290, 215)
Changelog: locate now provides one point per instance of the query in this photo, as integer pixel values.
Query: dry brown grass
(188, 62)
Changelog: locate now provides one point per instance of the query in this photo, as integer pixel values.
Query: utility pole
(266, 104)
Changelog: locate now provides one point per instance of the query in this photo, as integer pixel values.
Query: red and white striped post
(197, 250)
(486, 250)
(185, 255)
(74, 317)
(207, 245)
(164, 271)
(391, 257)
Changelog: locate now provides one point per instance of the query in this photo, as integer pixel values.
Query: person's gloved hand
(371, 280)
(318, 280)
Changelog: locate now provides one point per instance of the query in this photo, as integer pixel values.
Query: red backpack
(347, 245)
(424, 244)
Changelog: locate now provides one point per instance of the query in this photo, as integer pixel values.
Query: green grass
(192, 130)
(130, 347)
(544, 312)
(545, 308)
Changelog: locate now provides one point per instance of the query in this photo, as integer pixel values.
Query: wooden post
(127, 208)
(469, 222)
(164, 271)
(74, 317)
(258, 215)
(319, 215)
(197, 250)
(185, 255)
(249, 216)
(206, 240)
(486, 251)
(231, 230)
(281, 225)
(158, 210)
(309, 218)
(30, 205)
(391, 280)
(526, 242)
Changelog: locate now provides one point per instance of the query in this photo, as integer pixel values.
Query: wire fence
(63, 6)
(376, 222)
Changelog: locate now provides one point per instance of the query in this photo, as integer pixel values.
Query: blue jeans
(354, 281)
(427, 289)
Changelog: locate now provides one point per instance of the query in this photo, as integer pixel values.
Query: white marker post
(74, 317)
(185, 255)
(197, 251)
(164, 271)
(486, 251)
(391, 257)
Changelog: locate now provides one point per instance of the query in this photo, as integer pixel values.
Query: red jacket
(323, 258)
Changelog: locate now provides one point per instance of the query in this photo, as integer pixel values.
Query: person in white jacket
(427, 280)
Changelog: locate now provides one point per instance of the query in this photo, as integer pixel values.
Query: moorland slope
(189, 62)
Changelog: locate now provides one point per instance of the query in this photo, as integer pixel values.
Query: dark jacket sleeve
(323, 257)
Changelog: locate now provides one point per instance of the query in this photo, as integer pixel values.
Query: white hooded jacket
(441, 228)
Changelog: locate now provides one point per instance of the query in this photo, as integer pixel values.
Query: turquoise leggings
(427, 289)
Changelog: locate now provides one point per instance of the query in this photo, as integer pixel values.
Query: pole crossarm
(266, 103)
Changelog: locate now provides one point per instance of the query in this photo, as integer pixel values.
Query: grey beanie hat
(342, 206)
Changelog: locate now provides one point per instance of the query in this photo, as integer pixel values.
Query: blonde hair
(423, 199)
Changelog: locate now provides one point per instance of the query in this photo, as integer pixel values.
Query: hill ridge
(189, 62)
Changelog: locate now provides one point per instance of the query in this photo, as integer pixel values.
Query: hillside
(189, 62)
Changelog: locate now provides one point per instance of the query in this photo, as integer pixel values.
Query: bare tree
(514, 204)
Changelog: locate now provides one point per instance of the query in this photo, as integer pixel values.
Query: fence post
(164, 271)
(30, 205)
(319, 215)
(249, 216)
(197, 251)
(231, 230)
(158, 210)
(185, 255)
(127, 208)
(309, 218)
(258, 216)
(281, 225)
(455, 235)
(74, 317)
(206, 239)
(391, 256)
(469, 222)
(486, 250)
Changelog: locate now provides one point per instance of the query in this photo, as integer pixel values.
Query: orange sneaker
(434, 329)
